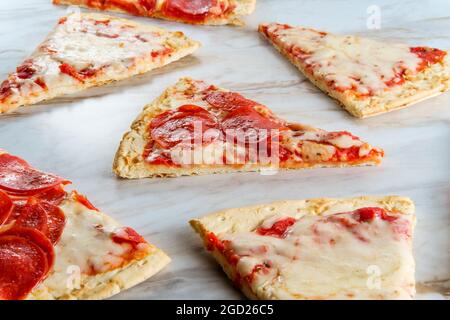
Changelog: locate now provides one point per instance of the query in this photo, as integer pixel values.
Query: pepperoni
(33, 215)
(19, 206)
(124, 5)
(149, 5)
(6, 207)
(128, 235)
(160, 158)
(171, 127)
(228, 101)
(56, 220)
(429, 56)
(84, 201)
(250, 122)
(189, 10)
(278, 229)
(23, 264)
(54, 195)
(17, 177)
(37, 238)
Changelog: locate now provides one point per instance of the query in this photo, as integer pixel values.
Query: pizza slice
(55, 244)
(206, 12)
(367, 77)
(198, 128)
(87, 50)
(356, 248)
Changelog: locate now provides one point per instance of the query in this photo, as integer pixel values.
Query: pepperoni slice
(189, 10)
(6, 207)
(33, 215)
(171, 127)
(54, 195)
(23, 264)
(37, 238)
(228, 101)
(56, 220)
(17, 177)
(128, 235)
(249, 122)
(125, 5)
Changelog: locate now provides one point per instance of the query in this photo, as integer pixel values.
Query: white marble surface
(77, 137)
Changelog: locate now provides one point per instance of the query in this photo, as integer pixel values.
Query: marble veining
(77, 136)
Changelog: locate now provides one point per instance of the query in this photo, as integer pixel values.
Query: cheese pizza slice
(206, 12)
(87, 50)
(198, 128)
(55, 244)
(357, 248)
(367, 77)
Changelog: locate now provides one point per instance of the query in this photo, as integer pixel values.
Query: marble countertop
(77, 136)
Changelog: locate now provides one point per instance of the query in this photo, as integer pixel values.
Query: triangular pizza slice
(206, 12)
(87, 50)
(356, 248)
(367, 77)
(55, 244)
(198, 128)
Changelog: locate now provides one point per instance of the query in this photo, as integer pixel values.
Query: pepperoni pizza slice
(87, 50)
(367, 77)
(197, 128)
(55, 244)
(357, 248)
(206, 12)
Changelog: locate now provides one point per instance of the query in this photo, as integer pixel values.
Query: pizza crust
(242, 8)
(103, 285)
(129, 162)
(249, 218)
(181, 45)
(429, 83)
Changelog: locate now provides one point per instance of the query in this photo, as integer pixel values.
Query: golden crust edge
(352, 104)
(316, 206)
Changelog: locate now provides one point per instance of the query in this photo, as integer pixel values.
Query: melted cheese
(112, 46)
(349, 61)
(85, 247)
(83, 43)
(322, 259)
